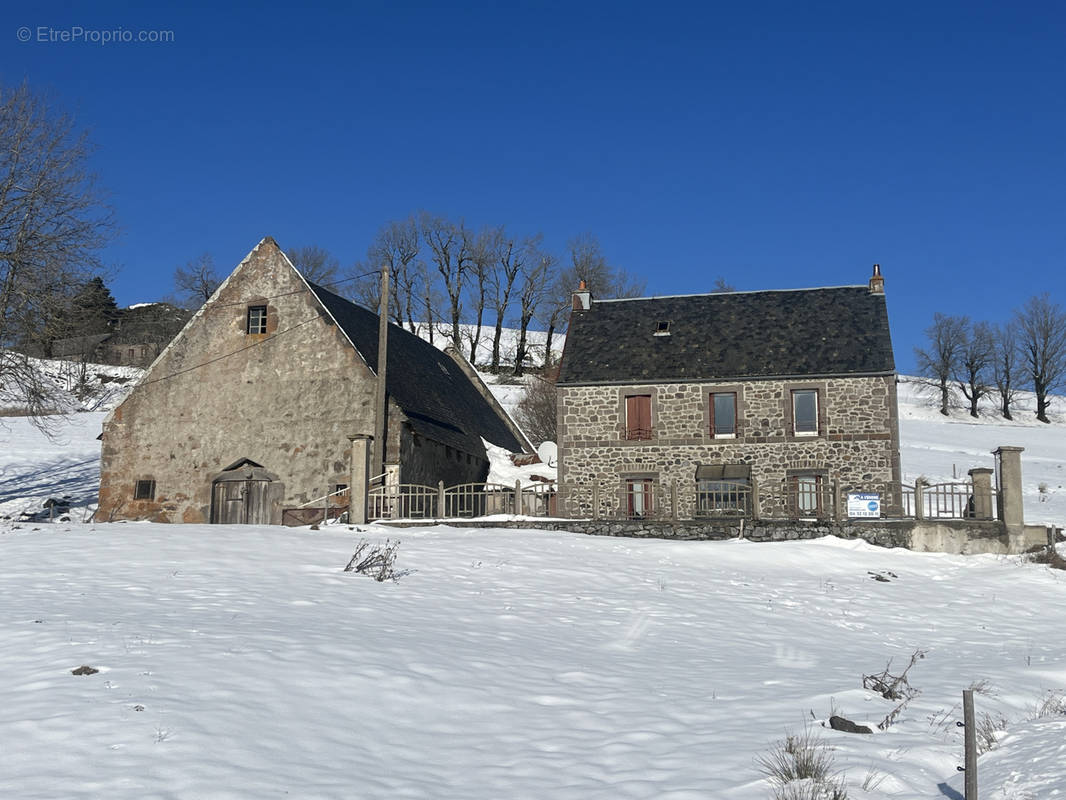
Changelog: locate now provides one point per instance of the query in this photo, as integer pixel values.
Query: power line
(270, 338)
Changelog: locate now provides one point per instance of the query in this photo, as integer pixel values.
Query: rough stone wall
(857, 444)
(287, 399)
(965, 538)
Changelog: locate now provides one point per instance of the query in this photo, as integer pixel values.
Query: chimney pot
(877, 283)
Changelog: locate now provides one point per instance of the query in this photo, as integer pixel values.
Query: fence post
(755, 510)
(441, 509)
(838, 506)
(519, 508)
(673, 500)
(595, 499)
(970, 726)
(919, 498)
(325, 506)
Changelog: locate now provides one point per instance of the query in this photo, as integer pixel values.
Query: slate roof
(730, 336)
(435, 394)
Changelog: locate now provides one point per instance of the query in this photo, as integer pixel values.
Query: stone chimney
(582, 298)
(877, 283)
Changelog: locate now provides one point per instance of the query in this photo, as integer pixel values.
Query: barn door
(244, 494)
(241, 502)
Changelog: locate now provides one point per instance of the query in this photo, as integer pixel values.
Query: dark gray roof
(435, 394)
(730, 336)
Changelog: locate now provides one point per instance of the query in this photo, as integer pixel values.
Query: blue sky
(779, 145)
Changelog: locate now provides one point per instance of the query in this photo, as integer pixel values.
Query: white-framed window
(640, 497)
(805, 412)
(257, 319)
(723, 415)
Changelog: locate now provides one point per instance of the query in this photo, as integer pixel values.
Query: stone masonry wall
(219, 394)
(857, 444)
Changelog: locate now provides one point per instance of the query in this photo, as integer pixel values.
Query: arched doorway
(244, 494)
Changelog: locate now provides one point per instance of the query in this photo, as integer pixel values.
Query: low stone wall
(965, 537)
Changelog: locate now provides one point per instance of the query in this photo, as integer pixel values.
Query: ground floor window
(723, 489)
(640, 497)
(807, 492)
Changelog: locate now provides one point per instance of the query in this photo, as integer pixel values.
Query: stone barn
(256, 405)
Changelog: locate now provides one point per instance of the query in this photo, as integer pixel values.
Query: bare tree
(588, 264)
(53, 223)
(315, 263)
(197, 281)
(510, 258)
(396, 245)
(536, 412)
(940, 360)
(1042, 343)
(1005, 367)
(533, 287)
(451, 249)
(721, 285)
(482, 265)
(976, 355)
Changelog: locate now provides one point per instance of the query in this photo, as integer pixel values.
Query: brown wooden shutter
(638, 417)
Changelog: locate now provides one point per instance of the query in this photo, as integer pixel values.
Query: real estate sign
(864, 505)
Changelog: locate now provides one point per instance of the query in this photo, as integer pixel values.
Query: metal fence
(466, 500)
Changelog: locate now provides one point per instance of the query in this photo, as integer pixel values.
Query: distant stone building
(254, 408)
(135, 336)
(699, 405)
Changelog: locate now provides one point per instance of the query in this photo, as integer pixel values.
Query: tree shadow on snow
(78, 480)
(947, 791)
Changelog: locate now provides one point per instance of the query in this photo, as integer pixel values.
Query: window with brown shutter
(638, 416)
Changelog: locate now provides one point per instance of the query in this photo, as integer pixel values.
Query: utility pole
(380, 409)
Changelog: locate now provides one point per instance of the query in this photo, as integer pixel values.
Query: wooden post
(518, 507)
(673, 500)
(838, 505)
(595, 500)
(325, 506)
(441, 508)
(970, 726)
(381, 408)
(755, 511)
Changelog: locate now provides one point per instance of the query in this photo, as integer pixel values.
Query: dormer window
(257, 319)
(662, 327)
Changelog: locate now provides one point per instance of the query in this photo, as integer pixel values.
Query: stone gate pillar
(982, 492)
(359, 477)
(1010, 486)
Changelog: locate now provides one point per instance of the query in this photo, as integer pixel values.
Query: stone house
(266, 399)
(135, 337)
(769, 403)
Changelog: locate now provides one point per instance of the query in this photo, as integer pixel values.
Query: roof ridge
(718, 294)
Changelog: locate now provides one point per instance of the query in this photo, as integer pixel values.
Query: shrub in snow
(378, 561)
(801, 768)
(893, 687)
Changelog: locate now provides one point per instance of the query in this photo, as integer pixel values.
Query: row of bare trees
(450, 280)
(978, 359)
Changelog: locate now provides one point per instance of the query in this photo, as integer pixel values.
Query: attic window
(257, 319)
(662, 327)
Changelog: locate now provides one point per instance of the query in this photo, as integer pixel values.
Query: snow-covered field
(242, 662)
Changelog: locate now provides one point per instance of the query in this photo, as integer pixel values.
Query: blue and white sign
(864, 505)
